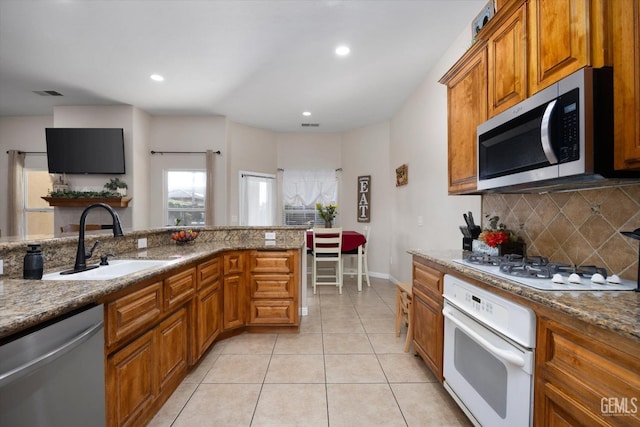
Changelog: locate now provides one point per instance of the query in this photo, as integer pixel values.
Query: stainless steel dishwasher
(54, 375)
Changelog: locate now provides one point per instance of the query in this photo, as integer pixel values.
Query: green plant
(327, 212)
(114, 184)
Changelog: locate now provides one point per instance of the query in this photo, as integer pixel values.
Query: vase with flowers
(498, 240)
(327, 213)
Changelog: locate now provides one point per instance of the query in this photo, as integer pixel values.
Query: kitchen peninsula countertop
(27, 303)
(617, 311)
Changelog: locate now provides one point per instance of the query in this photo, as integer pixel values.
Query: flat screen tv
(85, 150)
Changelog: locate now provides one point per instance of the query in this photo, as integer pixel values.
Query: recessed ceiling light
(306, 113)
(343, 50)
(156, 77)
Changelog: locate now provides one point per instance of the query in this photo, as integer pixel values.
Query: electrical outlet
(1, 267)
(270, 235)
(142, 243)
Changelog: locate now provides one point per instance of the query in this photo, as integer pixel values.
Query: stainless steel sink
(116, 268)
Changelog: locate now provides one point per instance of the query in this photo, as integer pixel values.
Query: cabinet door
(133, 312)
(172, 341)
(584, 376)
(233, 295)
(208, 320)
(428, 331)
(179, 288)
(467, 106)
(558, 40)
(507, 64)
(132, 384)
(626, 83)
(273, 312)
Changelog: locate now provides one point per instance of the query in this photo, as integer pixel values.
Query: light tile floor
(346, 367)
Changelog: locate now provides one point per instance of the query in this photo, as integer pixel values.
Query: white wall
(365, 151)
(180, 133)
(24, 134)
(419, 139)
(249, 149)
(300, 151)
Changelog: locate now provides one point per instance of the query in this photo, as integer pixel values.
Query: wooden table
(352, 242)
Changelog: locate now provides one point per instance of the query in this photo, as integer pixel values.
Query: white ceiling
(260, 63)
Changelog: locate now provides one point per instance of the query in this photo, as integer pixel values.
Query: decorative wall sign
(402, 175)
(364, 198)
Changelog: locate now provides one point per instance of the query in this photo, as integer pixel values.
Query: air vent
(310, 125)
(47, 93)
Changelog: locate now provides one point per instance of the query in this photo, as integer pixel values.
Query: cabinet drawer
(271, 286)
(272, 312)
(134, 311)
(208, 273)
(179, 288)
(271, 262)
(427, 280)
(233, 263)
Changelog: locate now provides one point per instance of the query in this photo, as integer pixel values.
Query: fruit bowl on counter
(184, 236)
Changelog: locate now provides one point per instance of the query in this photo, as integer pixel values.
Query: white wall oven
(488, 355)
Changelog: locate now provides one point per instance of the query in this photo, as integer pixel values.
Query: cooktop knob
(598, 278)
(557, 278)
(613, 279)
(574, 278)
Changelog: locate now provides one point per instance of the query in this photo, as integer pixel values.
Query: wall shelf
(76, 202)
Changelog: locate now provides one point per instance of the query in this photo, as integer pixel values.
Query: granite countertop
(26, 303)
(617, 311)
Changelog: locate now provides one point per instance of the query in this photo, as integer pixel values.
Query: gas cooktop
(539, 273)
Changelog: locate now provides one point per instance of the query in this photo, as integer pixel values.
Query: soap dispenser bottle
(33, 263)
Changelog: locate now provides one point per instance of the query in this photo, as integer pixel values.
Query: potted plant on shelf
(116, 186)
(328, 213)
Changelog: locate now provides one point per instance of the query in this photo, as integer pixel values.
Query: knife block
(467, 243)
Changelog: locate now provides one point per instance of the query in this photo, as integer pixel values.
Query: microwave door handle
(545, 133)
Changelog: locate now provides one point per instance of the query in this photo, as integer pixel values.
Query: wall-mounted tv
(85, 150)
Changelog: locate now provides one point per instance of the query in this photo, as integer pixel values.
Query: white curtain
(209, 214)
(257, 199)
(15, 196)
(308, 187)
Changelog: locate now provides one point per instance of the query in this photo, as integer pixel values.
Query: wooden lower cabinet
(585, 376)
(132, 385)
(233, 310)
(156, 330)
(428, 321)
(273, 287)
(173, 349)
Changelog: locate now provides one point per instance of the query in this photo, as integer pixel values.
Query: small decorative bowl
(184, 236)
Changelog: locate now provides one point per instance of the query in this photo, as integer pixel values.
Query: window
(301, 191)
(38, 215)
(257, 199)
(185, 196)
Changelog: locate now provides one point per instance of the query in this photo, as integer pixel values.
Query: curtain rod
(282, 170)
(182, 152)
(29, 152)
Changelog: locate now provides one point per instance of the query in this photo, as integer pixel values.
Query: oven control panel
(501, 314)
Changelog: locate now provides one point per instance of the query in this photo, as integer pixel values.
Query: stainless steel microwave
(560, 138)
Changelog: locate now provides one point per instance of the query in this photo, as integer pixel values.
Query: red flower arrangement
(495, 238)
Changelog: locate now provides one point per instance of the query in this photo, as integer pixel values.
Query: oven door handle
(545, 133)
(509, 356)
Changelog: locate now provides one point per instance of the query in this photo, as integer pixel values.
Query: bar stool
(404, 311)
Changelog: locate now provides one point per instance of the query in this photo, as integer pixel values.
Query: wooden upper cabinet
(507, 64)
(626, 83)
(467, 108)
(564, 36)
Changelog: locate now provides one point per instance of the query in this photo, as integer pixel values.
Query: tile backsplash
(579, 227)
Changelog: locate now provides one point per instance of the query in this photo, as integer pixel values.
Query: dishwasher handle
(509, 356)
(35, 364)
